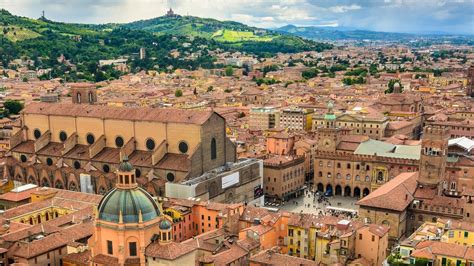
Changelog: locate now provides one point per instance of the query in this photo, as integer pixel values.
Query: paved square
(308, 203)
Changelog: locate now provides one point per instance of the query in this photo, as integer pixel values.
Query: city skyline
(453, 17)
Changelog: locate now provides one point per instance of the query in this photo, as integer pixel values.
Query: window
(213, 149)
(62, 136)
(360, 236)
(37, 133)
(110, 248)
(450, 233)
(106, 168)
(90, 139)
(138, 173)
(91, 97)
(150, 144)
(170, 177)
(23, 158)
(49, 161)
(119, 142)
(183, 147)
(132, 246)
(466, 234)
(77, 165)
(373, 238)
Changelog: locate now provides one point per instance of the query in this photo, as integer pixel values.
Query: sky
(413, 16)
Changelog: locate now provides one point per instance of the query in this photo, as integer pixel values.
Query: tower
(84, 93)
(329, 134)
(470, 80)
(434, 151)
(142, 53)
(128, 219)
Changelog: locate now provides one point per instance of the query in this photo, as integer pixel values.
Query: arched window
(213, 149)
(380, 176)
(91, 97)
(78, 98)
(453, 185)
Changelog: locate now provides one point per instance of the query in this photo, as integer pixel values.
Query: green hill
(233, 34)
(84, 45)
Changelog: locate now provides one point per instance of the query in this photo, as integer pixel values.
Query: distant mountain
(348, 33)
(336, 33)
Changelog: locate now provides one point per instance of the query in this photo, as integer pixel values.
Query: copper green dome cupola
(127, 203)
(126, 174)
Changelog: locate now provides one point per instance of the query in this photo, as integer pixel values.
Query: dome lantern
(126, 174)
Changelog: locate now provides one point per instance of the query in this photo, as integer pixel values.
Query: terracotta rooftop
(426, 248)
(17, 196)
(170, 251)
(270, 257)
(79, 258)
(395, 195)
(120, 113)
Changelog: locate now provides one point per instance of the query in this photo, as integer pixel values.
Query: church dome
(130, 202)
(165, 224)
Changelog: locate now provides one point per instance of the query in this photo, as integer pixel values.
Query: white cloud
(268, 19)
(344, 9)
(384, 15)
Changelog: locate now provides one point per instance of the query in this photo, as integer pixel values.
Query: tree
(13, 107)
(310, 73)
(178, 93)
(229, 71)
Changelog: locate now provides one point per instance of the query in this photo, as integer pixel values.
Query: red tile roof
(170, 251)
(120, 113)
(395, 195)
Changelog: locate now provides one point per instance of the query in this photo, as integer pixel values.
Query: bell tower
(434, 151)
(84, 93)
(329, 134)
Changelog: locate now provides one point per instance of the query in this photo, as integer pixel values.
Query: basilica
(78, 146)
